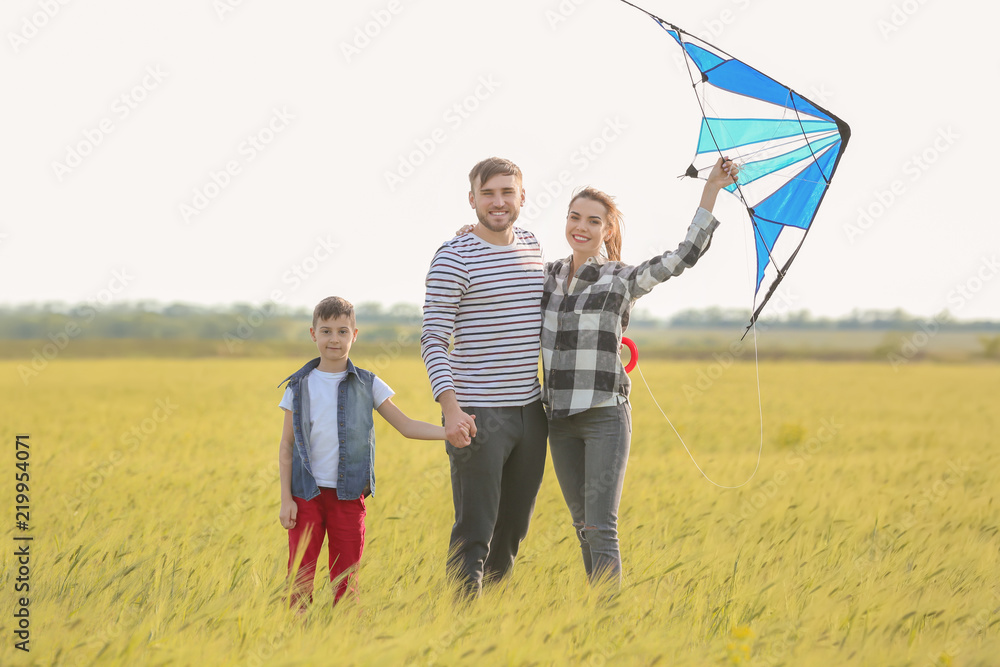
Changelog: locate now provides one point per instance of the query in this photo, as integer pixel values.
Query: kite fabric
(787, 147)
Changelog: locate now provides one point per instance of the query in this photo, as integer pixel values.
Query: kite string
(760, 411)
(760, 408)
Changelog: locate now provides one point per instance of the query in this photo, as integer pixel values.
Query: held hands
(459, 429)
(289, 511)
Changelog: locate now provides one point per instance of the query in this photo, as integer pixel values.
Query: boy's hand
(459, 429)
(289, 511)
(467, 429)
(459, 426)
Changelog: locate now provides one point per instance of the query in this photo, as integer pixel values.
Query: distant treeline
(886, 320)
(150, 320)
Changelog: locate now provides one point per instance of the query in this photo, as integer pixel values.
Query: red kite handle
(634, 358)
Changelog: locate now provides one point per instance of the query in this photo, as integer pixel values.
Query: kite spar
(788, 149)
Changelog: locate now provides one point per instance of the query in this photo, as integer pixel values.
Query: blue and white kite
(788, 149)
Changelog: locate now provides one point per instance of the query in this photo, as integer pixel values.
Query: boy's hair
(492, 166)
(332, 307)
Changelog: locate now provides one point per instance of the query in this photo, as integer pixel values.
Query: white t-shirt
(324, 442)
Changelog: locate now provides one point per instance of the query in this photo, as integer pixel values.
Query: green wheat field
(868, 536)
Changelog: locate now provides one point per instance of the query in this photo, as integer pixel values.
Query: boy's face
(334, 338)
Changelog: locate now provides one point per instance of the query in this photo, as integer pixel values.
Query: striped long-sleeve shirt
(488, 298)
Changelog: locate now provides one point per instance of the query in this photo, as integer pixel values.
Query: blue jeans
(589, 454)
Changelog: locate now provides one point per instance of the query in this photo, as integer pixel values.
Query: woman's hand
(724, 173)
(465, 230)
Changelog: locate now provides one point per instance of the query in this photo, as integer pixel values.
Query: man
(484, 290)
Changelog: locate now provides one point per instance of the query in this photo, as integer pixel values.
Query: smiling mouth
(580, 239)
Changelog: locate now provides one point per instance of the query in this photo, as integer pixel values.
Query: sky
(221, 151)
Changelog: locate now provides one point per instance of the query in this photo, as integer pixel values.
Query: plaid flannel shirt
(582, 326)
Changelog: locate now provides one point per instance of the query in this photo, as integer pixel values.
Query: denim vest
(356, 431)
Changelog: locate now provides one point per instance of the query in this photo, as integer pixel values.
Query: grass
(869, 535)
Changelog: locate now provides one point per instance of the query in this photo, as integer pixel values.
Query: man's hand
(459, 427)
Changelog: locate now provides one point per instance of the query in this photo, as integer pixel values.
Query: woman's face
(586, 226)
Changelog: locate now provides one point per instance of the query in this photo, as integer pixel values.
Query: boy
(327, 453)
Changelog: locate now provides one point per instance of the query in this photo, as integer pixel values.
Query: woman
(585, 309)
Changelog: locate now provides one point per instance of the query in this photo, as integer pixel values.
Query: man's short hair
(492, 166)
(333, 307)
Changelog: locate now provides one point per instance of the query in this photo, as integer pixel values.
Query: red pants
(344, 522)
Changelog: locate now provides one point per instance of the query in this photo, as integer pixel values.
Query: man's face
(497, 202)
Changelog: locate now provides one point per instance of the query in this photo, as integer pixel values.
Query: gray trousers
(589, 454)
(494, 482)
